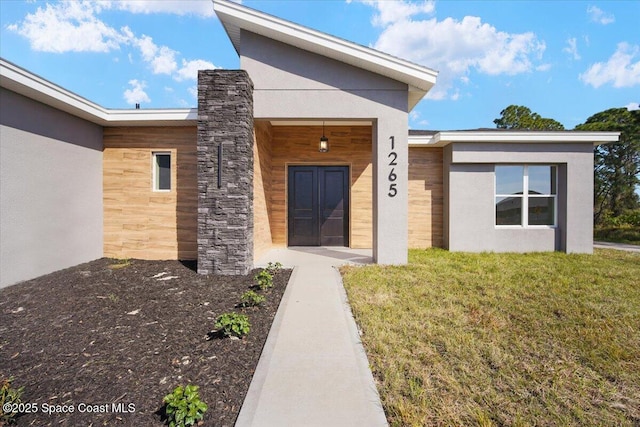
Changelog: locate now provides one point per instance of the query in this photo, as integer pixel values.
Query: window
(526, 195)
(162, 171)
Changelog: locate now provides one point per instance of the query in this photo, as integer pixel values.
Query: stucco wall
(470, 209)
(291, 83)
(50, 189)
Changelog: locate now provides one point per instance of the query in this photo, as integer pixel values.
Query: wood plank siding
(425, 197)
(139, 222)
(142, 223)
(298, 145)
(262, 240)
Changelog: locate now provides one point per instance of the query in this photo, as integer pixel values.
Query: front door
(318, 203)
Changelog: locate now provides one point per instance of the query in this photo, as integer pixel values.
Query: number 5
(393, 190)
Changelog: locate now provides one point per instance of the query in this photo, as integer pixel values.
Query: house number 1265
(393, 190)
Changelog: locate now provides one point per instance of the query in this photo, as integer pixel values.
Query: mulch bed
(110, 332)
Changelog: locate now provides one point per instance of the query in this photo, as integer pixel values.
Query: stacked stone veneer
(225, 214)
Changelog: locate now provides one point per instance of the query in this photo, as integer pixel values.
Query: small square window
(162, 171)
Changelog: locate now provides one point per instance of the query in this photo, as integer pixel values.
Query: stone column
(225, 178)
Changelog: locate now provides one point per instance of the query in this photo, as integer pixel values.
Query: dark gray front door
(318, 202)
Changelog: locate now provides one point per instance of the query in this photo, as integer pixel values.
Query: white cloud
(601, 17)
(415, 118)
(162, 59)
(451, 46)
(70, 26)
(632, 106)
(176, 7)
(455, 47)
(619, 70)
(572, 48)
(543, 67)
(189, 70)
(394, 11)
(136, 93)
(74, 26)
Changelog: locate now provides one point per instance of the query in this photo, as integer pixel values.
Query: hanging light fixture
(324, 142)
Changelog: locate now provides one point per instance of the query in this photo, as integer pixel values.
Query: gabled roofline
(441, 139)
(235, 17)
(23, 82)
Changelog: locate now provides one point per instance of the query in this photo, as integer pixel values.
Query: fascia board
(442, 139)
(528, 137)
(234, 17)
(35, 87)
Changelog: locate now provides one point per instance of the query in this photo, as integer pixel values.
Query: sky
(565, 60)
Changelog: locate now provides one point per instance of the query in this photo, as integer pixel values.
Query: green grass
(622, 234)
(503, 339)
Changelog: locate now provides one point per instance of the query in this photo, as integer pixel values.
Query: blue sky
(564, 60)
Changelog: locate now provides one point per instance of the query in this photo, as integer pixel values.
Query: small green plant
(251, 299)
(120, 263)
(233, 324)
(9, 396)
(184, 407)
(264, 279)
(274, 268)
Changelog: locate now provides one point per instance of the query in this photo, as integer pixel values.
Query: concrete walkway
(313, 370)
(617, 246)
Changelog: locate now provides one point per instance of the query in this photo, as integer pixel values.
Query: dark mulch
(103, 332)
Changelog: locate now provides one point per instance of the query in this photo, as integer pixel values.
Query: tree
(617, 165)
(520, 117)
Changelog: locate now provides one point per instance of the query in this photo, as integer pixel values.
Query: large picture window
(526, 195)
(162, 171)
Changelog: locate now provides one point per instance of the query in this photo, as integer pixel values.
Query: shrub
(264, 279)
(184, 407)
(233, 324)
(273, 269)
(251, 299)
(8, 395)
(631, 218)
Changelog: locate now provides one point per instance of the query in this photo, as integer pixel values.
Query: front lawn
(503, 339)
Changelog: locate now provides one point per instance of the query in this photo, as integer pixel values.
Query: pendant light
(324, 142)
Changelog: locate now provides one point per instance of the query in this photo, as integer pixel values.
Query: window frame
(525, 196)
(155, 180)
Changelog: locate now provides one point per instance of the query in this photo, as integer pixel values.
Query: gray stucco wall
(50, 189)
(291, 83)
(469, 205)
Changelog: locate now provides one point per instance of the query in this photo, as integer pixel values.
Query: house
(246, 171)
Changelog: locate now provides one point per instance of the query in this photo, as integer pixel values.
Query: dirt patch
(126, 333)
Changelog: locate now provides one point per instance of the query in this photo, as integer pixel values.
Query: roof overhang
(21, 81)
(235, 17)
(441, 139)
